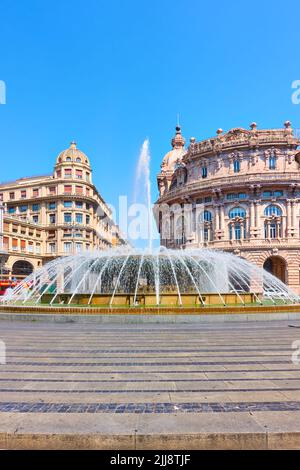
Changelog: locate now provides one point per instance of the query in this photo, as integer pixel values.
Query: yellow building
(45, 217)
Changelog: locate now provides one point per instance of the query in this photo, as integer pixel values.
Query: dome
(175, 155)
(73, 154)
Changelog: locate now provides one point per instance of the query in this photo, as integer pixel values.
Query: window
(273, 231)
(58, 173)
(35, 192)
(79, 190)
(278, 193)
(68, 189)
(52, 247)
(11, 210)
(88, 177)
(242, 195)
(67, 247)
(272, 162)
(35, 219)
(79, 218)
(52, 190)
(68, 217)
(205, 234)
(11, 195)
(87, 191)
(207, 199)
(207, 217)
(68, 204)
(35, 207)
(79, 204)
(30, 247)
(204, 172)
(87, 206)
(236, 166)
(267, 194)
(68, 173)
(78, 160)
(38, 248)
(68, 159)
(237, 212)
(273, 210)
(52, 205)
(78, 247)
(67, 233)
(52, 218)
(78, 174)
(235, 231)
(23, 208)
(23, 194)
(87, 219)
(231, 196)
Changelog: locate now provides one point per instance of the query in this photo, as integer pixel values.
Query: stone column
(217, 218)
(222, 216)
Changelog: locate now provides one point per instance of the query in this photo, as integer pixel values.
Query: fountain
(142, 180)
(154, 278)
(129, 277)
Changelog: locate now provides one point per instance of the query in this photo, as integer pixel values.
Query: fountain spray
(143, 180)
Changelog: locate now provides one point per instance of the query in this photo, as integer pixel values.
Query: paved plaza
(205, 385)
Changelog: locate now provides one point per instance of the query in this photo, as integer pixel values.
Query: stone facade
(45, 217)
(237, 192)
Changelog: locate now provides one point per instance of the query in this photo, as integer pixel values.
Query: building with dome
(239, 192)
(44, 217)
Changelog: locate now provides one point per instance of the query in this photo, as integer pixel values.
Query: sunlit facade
(238, 191)
(56, 215)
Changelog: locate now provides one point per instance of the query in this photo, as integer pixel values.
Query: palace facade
(44, 217)
(238, 192)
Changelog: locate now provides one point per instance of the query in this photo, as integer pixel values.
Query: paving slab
(208, 385)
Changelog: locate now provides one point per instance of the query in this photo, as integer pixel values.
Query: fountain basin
(150, 299)
(129, 278)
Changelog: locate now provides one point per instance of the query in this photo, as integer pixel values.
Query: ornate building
(45, 217)
(237, 192)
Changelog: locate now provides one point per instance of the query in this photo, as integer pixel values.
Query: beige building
(239, 192)
(45, 217)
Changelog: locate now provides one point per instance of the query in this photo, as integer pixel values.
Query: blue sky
(111, 73)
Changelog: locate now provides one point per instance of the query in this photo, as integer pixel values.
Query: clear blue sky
(111, 73)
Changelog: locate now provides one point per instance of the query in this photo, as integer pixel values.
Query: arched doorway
(22, 268)
(276, 266)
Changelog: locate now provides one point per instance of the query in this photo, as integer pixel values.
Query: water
(154, 271)
(142, 185)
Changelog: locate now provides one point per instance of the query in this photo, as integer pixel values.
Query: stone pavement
(150, 386)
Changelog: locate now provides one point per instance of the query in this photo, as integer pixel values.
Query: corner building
(45, 217)
(247, 183)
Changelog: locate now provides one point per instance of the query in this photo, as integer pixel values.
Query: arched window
(272, 162)
(78, 160)
(68, 159)
(204, 172)
(273, 210)
(237, 212)
(236, 166)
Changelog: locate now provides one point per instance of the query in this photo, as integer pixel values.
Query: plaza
(78, 383)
